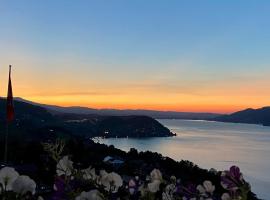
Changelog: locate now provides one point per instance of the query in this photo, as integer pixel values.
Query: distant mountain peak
(249, 115)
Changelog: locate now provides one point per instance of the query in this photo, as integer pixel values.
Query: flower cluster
(234, 182)
(15, 186)
(69, 182)
(91, 184)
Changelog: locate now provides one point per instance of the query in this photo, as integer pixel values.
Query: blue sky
(193, 48)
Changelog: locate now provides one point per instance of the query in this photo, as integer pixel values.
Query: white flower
(225, 196)
(89, 173)
(209, 187)
(102, 173)
(102, 177)
(64, 167)
(206, 190)
(156, 178)
(24, 184)
(116, 180)
(168, 194)
(154, 186)
(112, 181)
(91, 195)
(165, 196)
(7, 176)
(201, 189)
(156, 175)
(170, 188)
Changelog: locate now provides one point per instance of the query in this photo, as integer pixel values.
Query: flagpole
(10, 114)
(6, 143)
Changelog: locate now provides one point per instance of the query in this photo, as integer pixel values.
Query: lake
(213, 145)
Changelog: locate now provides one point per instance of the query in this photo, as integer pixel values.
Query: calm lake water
(213, 145)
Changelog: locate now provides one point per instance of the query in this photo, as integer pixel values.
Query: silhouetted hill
(33, 122)
(250, 116)
(25, 111)
(115, 112)
(132, 126)
(114, 126)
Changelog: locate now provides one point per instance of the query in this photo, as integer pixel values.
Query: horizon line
(122, 109)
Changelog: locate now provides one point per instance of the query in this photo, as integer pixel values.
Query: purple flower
(236, 174)
(133, 188)
(232, 179)
(227, 181)
(59, 188)
(188, 192)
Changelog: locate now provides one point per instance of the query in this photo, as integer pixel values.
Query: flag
(10, 107)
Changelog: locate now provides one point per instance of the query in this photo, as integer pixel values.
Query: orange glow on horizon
(104, 91)
(183, 107)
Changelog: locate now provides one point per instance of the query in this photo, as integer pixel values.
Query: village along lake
(213, 145)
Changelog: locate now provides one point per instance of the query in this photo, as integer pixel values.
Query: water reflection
(213, 144)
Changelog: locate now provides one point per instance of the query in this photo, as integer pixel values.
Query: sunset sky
(177, 55)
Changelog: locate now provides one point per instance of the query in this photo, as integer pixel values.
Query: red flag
(10, 107)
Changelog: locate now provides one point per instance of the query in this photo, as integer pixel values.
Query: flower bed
(73, 182)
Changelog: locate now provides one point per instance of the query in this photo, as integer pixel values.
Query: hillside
(250, 116)
(33, 122)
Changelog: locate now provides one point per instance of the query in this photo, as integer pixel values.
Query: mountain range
(249, 116)
(50, 120)
(116, 112)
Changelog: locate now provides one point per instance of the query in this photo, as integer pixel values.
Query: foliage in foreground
(91, 184)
